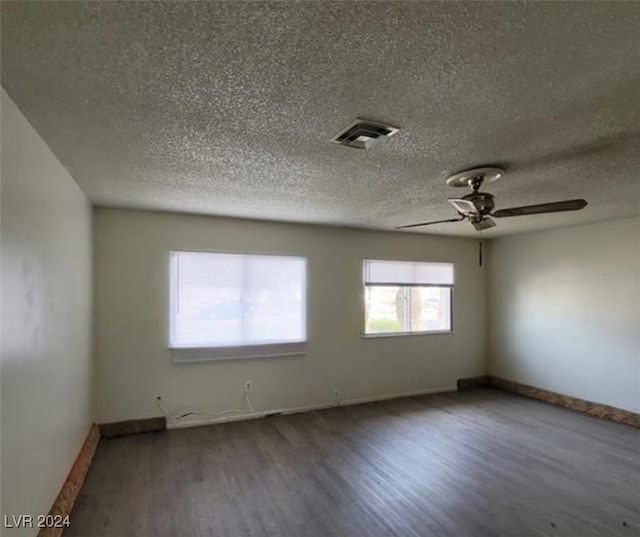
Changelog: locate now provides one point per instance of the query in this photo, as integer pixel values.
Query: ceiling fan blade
(463, 206)
(554, 207)
(430, 223)
(485, 223)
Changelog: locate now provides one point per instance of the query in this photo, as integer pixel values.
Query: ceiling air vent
(364, 134)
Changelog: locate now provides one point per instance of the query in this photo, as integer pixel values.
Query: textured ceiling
(228, 108)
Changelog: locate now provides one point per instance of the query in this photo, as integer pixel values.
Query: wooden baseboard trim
(574, 403)
(122, 428)
(472, 383)
(559, 399)
(73, 483)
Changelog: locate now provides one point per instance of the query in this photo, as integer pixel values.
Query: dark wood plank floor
(479, 463)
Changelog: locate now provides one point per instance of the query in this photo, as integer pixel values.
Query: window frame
(208, 353)
(451, 287)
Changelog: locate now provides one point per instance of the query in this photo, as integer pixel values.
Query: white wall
(46, 320)
(564, 310)
(131, 250)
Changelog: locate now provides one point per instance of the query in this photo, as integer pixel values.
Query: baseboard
(559, 399)
(574, 403)
(122, 428)
(73, 483)
(473, 383)
(297, 410)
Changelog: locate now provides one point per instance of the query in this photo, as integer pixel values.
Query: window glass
(404, 297)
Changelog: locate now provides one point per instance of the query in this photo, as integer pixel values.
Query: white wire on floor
(177, 417)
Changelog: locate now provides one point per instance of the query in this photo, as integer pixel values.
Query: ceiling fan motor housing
(483, 202)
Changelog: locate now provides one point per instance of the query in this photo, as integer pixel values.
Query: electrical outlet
(247, 385)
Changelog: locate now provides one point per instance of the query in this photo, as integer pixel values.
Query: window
(403, 297)
(236, 305)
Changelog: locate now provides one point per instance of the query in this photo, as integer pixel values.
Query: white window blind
(379, 272)
(220, 302)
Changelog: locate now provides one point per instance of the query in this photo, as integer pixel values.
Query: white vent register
(364, 134)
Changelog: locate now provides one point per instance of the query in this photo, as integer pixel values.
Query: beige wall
(131, 250)
(564, 311)
(46, 320)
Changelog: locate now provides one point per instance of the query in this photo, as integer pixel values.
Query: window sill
(185, 355)
(403, 334)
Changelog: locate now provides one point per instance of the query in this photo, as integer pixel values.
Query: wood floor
(480, 463)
